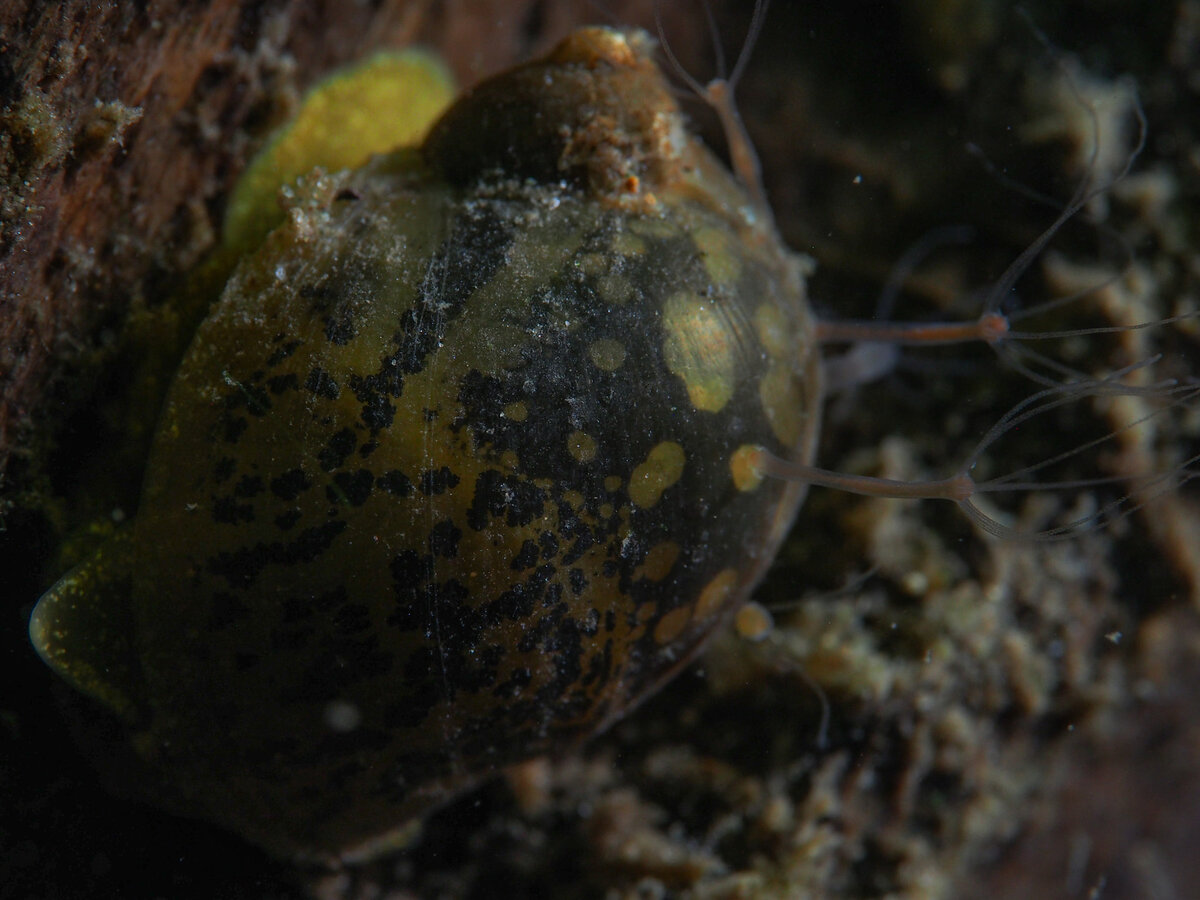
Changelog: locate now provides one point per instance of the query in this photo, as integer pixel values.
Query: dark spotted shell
(455, 473)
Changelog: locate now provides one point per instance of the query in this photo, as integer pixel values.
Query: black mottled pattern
(289, 485)
(474, 251)
(443, 539)
(224, 468)
(242, 567)
(509, 498)
(287, 520)
(321, 383)
(283, 352)
(395, 483)
(351, 487)
(437, 481)
(336, 449)
(455, 671)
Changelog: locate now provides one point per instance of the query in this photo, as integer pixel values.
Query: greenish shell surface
(453, 475)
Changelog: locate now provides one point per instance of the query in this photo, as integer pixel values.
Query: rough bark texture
(1007, 720)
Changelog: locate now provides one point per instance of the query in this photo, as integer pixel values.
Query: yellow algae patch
(385, 102)
(581, 446)
(662, 468)
(716, 593)
(671, 625)
(746, 475)
(721, 264)
(517, 411)
(698, 350)
(783, 403)
(658, 562)
(612, 482)
(607, 354)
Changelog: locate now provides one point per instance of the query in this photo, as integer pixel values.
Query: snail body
(459, 468)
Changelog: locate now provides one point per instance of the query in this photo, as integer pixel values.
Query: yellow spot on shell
(754, 621)
(722, 265)
(581, 446)
(698, 350)
(662, 468)
(606, 354)
(783, 402)
(773, 331)
(746, 476)
(716, 593)
(516, 411)
(658, 562)
(671, 625)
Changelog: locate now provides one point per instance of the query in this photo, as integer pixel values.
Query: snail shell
(456, 471)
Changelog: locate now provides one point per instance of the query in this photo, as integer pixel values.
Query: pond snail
(472, 455)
